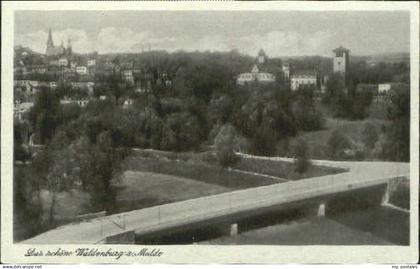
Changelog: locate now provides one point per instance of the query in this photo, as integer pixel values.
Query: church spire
(50, 42)
(68, 50)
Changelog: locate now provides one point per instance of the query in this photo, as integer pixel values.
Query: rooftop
(341, 49)
(300, 73)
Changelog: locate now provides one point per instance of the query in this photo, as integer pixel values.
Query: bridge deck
(359, 175)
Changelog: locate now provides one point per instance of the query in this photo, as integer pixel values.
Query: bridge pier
(321, 209)
(386, 195)
(233, 229)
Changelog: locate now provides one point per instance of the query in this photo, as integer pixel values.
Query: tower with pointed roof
(69, 50)
(51, 49)
(50, 42)
(262, 57)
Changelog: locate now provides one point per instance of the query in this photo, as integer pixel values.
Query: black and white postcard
(210, 132)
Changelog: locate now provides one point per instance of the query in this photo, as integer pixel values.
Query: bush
(338, 143)
(225, 146)
(370, 135)
(227, 157)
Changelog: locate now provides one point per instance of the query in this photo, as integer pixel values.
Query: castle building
(259, 72)
(57, 50)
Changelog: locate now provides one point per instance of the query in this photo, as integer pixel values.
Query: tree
(220, 109)
(397, 145)
(301, 154)
(180, 132)
(307, 116)
(61, 176)
(225, 144)
(43, 116)
(20, 131)
(370, 135)
(334, 89)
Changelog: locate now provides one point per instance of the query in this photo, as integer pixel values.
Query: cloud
(112, 39)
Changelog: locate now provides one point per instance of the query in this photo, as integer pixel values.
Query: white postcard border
(14, 253)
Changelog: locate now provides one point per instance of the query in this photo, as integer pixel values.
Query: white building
(81, 70)
(255, 76)
(127, 75)
(63, 62)
(303, 78)
(88, 86)
(91, 62)
(53, 84)
(384, 87)
(79, 102)
(128, 102)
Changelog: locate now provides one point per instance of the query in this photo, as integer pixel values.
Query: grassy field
(199, 171)
(205, 167)
(283, 169)
(143, 189)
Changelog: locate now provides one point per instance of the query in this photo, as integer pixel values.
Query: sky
(279, 33)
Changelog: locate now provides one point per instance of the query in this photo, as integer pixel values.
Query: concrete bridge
(121, 228)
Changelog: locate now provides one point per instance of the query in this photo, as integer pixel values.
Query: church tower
(262, 57)
(50, 43)
(69, 51)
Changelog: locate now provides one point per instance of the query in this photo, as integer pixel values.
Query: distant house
(384, 87)
(79, 102)
(128, 102)
(21, 83)
(303, 78)
(54, 63)
(40, 68)
(91, 62)
(63, 62)
(81, 70)
(53, 84)
(20, 109)
(367, 87)
(86, 85)
(127, 76)
(34, 83)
